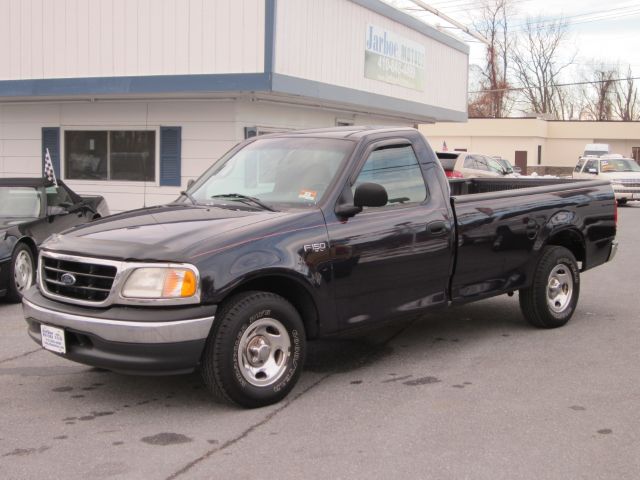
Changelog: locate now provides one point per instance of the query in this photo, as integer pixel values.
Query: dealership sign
(393, 59)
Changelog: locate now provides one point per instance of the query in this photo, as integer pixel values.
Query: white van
(596, 149)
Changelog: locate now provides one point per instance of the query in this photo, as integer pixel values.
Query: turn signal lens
(179, 283)
(155, 282)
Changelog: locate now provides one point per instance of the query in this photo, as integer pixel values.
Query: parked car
(303, 235)
(471, 165)
(624, 174)
(31, 209)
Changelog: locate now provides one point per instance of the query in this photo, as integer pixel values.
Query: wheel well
(290, 290)
(572, 241)
(32, 246)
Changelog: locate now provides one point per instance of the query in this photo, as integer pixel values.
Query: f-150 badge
(315, 247)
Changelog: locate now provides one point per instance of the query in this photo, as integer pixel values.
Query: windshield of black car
(285, 171)
(20, 202)
(619, 165)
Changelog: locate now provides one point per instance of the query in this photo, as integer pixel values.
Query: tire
(22, 272)
(622, 201)
(255, 350)
(552, 297)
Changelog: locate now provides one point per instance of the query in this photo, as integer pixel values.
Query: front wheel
(255, 351)
(22, 272)
(622, 201)
(552, 297)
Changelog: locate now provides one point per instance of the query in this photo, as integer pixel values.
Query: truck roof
(354, 132)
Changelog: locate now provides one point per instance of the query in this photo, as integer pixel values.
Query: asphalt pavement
(471, 392)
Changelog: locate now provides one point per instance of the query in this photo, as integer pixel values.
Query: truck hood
(172, 233)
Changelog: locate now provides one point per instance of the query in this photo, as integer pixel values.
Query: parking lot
(471, 392)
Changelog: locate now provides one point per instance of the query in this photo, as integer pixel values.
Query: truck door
(393, 259)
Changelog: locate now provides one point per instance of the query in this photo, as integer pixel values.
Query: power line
(520, 89)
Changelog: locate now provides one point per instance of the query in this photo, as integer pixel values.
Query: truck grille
(77, 280)
(627, 183)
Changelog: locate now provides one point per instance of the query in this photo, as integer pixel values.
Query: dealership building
(134, 98)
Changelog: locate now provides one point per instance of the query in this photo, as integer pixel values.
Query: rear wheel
(552, 297)
(255, 350)
(22, 272)
(622, 201)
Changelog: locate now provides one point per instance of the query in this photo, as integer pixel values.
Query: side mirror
(370, 195)
(593, 170)
(366, 195)
(190, 183)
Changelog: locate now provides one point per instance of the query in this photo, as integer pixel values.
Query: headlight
(155, 282)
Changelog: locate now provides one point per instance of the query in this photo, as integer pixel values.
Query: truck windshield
(20, 202)
(619, 165)
(285, 171)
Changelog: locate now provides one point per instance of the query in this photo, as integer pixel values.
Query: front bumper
(125, 339)
(628, 194)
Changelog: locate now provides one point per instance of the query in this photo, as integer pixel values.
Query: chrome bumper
(613, 251)
(123, 331)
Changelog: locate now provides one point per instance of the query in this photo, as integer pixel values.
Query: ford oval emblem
(68, 279)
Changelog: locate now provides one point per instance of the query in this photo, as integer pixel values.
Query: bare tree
(537, 66)
(625, 104)
(600, 93)
(493, 99)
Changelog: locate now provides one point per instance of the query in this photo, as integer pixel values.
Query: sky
(598, 32)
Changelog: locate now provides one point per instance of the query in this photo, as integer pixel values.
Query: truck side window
(591, 164)
(579, 165)
(396, 169)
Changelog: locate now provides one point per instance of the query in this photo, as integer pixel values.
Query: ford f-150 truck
(301, 235)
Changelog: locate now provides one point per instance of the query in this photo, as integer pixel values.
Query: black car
(31, 209)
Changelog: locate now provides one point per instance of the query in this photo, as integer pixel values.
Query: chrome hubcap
(559, 288)
(23, 271)
(263, 352)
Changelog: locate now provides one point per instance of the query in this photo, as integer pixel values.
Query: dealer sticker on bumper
(53, 339)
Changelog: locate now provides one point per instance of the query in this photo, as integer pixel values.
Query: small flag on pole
(49, 172)
(444, 146)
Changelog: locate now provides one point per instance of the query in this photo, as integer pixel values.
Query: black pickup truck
(302, 235)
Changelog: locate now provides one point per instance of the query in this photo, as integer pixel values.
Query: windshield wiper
(246, 198)
(189, 196)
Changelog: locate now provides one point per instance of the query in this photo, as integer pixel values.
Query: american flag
(49, 172)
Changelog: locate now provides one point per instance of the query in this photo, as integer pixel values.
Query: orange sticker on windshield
(308, 195)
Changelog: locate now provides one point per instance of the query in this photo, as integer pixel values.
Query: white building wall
(324, 41)
(105, 38)
(208, 131)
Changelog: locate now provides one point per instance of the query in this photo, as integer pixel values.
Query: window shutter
(51, 140)
(170, 156)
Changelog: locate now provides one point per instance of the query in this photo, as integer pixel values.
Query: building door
(521, 160)
(635, 153)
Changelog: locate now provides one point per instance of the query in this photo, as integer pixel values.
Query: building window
(110, 155)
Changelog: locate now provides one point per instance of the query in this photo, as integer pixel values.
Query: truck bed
(503, 223)
(466, 186)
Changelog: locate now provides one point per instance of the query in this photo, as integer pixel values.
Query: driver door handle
(437, 228)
